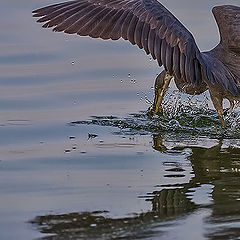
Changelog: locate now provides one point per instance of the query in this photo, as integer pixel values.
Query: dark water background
(176, 176)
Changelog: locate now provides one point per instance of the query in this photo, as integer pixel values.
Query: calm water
(80, 158)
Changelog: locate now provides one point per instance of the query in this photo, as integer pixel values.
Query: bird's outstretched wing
(146, 23)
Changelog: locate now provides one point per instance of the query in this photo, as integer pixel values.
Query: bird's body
(148, 24)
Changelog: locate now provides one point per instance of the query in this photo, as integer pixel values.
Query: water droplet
(72, 62)
(133, 80)
(174, 123)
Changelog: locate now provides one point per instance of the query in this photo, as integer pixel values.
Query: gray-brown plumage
(148, 24)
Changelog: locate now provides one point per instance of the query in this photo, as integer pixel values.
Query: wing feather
(151, 43)
(144, 37)
(66, 19)
(182, 65)
(63, 11)
(117, 30)
(125, 24)
(131, 29)
(163, 53)
(49, 9)
(105, 34)
(176, 62)
(169, 59)
(138, 34)
(89, 25)
(96, 32)
(157, 49)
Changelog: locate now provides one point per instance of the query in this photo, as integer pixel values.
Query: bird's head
(228, 20)
(160, 80)
(160, 87)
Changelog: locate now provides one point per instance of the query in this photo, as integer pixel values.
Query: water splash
(180, 115)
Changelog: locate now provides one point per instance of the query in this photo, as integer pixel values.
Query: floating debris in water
(90, 136)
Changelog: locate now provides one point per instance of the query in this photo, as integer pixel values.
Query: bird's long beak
(160, 91)
(158, 98)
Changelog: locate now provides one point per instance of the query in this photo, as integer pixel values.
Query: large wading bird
(152, 27)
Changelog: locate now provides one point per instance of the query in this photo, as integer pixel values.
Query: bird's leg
(161, 85)
(217, 103)
(231, 105)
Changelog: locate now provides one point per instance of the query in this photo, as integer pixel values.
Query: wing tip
(37, 13)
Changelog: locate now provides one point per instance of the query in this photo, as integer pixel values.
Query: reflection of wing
(145, 23)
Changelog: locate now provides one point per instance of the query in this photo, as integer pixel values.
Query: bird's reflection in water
(217, 166)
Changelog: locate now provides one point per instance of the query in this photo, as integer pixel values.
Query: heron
(152, 27)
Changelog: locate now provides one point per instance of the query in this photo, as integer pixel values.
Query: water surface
(81, 159)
